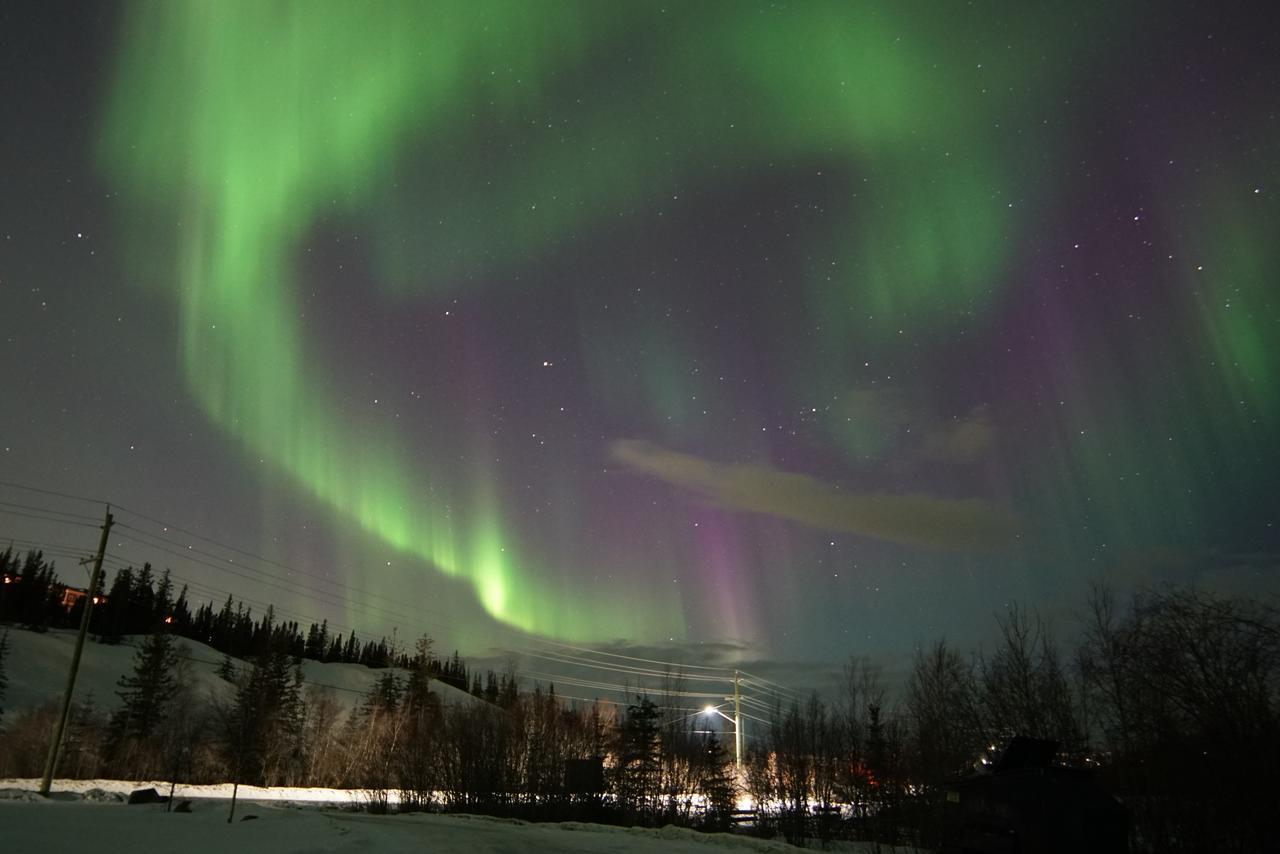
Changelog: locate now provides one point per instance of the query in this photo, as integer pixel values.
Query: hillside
(37, 666)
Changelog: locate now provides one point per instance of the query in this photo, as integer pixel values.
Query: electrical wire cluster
(218, 570)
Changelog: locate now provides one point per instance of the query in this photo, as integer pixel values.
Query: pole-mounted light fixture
(737, 738)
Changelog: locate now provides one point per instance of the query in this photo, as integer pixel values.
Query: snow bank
(63, 826)
(90, 815)
(254, 794)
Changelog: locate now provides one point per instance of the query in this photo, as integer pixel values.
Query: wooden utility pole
(55, 747)
(737, 724)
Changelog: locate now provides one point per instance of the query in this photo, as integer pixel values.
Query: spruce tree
(220, 636)
(385, 694)
(4, 653)
(335, 650)
(162, 602)
(38, 579)
(638, 769)
(112, 623)
(181, 612)
(490, 692)
(141, 605)
(717, 783)
(8, 591)
(262, 733)
(313, 648)
(147, 692)
(418, 687)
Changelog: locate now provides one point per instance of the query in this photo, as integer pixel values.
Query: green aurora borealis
(949, 305)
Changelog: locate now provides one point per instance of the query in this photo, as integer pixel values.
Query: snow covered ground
(72, 822)
(90, 815)
(58, 826)
(119, 790)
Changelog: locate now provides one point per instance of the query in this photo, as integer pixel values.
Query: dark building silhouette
(1029, 806)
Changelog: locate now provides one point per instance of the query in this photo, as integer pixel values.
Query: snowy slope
(37, 666)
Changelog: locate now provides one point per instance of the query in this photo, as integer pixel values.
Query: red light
(168, 620)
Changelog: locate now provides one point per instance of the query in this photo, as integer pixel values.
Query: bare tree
(942, 714)
(1185, 687)
(1025, 688)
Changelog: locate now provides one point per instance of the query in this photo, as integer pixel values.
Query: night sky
(797, 329)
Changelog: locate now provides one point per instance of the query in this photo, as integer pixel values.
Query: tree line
(1172, 695)
(138, 601)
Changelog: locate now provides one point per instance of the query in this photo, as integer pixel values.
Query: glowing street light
(737, 733)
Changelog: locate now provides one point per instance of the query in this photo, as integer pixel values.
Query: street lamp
(737, 734)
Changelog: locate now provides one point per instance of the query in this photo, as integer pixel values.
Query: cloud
(969, 524)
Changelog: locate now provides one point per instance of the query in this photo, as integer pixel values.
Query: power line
(567, 659)
(167, 526)
(26, 488)
(197, 557)
(758, 706)
(79, 516)
(342, 600)
(626, 669)
(771, 687)
(47, 518)
(772, 697)
(117, 562)
(622, 689)
(549, 650)
(593, 700)
(784, 688)
(300, 681)
(564, 679)
(263, 578)
(299, 616)
(336, 599)
(636, 658)
(48, 548)
(287, 568)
